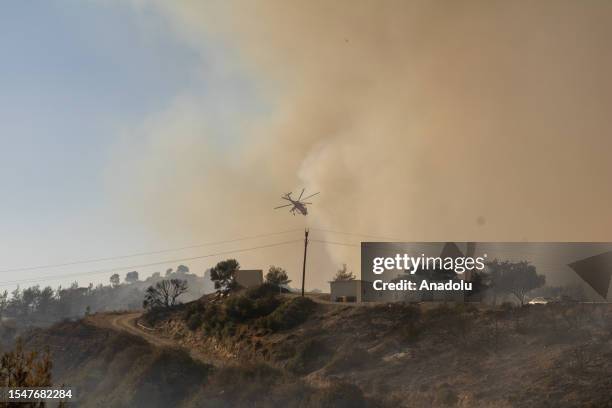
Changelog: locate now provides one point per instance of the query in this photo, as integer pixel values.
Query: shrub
(239, 308)
(266, 305)
(213, 319)
(19, 368)
(228, 329)
(192, 308)
(263, 290)
(152, 316)
(223, 318)
(194, 322)
(243, 308)
(289, 314)
(194, 314)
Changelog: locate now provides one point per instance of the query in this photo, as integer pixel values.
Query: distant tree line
(42, 306)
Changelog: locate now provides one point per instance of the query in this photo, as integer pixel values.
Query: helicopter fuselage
(300, 207)
(297, 205)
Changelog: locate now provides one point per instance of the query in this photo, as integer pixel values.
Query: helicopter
(298, 205)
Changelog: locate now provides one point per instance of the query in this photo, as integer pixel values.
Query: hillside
(110, 368)
(268, 350)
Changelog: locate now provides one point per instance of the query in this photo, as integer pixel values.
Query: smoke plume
(421, 120)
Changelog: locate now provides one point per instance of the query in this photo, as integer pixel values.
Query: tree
(343, 275)
(164, 293)
(29, 299)
(223, 276)
(515, 278)
(15, 305)
(45, 300)
(182, 269)
(131, 277)
(3, 302)
(115, 280)
(277, 276)
(19, 368)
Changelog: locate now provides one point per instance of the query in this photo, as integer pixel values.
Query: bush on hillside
(193, 315)
(242, 308)
(223, 318)
(194, 322)
(289, 314)
(152, 316)
(263, 290)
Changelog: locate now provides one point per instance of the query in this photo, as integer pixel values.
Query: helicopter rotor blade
(288, 199)
(312, 195)
(301, 194)
(282, 206)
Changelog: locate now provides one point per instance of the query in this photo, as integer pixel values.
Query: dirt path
(128, 323)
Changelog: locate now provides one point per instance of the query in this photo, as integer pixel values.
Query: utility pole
(304, 265)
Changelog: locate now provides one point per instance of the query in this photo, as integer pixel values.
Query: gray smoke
(428, 121)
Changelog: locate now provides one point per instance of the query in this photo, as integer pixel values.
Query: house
(346, 290)
(354, 290)
(247, 278)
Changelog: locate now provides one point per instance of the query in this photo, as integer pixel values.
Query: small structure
(353, 290)
(247, 278)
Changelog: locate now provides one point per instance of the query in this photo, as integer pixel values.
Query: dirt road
(128, 323)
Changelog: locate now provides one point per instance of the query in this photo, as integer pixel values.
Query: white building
(362, 291)
(354, 290)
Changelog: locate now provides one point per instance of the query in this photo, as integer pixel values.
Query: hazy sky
(141, 125)
(75, 76)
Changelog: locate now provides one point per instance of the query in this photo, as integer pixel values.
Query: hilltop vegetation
(259, 307)
(408, 354)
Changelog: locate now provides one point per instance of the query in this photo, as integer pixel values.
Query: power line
(388, 239)
(334, 243)
(100, 271)
(356, 234)
(162, 251)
